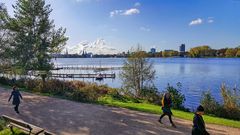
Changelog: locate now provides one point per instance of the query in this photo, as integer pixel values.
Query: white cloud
(145, 29)
(210, 20)
(124, 12)
(131, 11)
(196, 22)
(115, 12)
(137, 4)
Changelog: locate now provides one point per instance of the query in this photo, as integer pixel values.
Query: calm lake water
(196, 75)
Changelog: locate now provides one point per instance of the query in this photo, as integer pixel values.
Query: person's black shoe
(173, 125)
(160, 121)
(17, 112)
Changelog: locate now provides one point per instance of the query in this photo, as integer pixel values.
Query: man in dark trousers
(166, 107)
(198, 123)
(16, 98)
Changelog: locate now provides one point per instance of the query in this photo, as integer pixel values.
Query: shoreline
(142, 107)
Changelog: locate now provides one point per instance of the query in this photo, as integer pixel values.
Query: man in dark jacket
(16, 98)
(198, 123)
(166, 107)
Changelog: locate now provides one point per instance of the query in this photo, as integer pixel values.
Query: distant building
(182, 50)
(153, 50)
(168, 50)
(85, 54)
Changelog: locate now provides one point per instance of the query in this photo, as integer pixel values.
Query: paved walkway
(71, 118)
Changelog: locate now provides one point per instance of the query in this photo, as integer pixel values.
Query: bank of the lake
(142, 107)
(195, 74)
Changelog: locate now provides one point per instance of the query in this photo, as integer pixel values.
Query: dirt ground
(65, 117)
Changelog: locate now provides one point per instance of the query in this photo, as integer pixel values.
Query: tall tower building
(182, 50)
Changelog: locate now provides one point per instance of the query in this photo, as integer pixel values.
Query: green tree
(170, 53)
(35, 36)
(138, 73)
(5, 39)
(238, 53)
(177, 97)
(231, 52)
(202, 51)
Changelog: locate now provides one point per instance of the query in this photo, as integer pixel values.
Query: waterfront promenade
(65, 117)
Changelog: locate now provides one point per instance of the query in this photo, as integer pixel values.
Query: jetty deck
(82, 67)
(109, 75)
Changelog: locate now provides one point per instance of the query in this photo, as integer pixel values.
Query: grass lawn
(155, 109)
(7, 131)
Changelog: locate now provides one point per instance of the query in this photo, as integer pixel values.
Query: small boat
(99, 77)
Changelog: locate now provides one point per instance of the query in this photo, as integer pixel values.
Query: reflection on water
(196, 75)
(182, 68)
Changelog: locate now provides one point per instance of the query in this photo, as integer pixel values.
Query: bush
(211, 106)
(178, 98)
(2, 124)
(5, 81)
(20, 83)
(33, 85)
(231, 97)
(231, 102)
(75, 90)
(151, 95)
(228, 109)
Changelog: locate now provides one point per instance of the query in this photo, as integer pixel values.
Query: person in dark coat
(198, 123)
(16, 98)
(166, 107)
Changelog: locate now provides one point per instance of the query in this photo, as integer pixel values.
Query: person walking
(16, 98)
(166, 107)
(198, 123)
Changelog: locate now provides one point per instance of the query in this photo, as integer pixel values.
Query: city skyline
(160, 24)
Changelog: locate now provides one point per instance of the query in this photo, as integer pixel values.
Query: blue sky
(163, 24)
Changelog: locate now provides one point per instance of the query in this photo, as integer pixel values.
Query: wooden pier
(96, 68)
(110, 75)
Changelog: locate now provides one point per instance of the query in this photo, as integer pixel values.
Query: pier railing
(110, 75)
(83, 67)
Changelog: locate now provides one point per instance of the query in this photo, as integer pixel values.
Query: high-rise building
(182, 50)
(153, 50)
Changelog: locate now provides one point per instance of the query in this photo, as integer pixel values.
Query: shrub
(231, 102)
(211, 106)
(20, 83)
(228, 109)
(178, 98)
(2, 124)
(151, 95)
(231, 97)
(33, 85)
(56, 87)
(5, 81)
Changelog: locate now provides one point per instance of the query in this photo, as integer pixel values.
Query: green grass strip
(155, 109)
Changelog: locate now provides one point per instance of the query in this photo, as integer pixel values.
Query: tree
(5, 38)
(35, 37)
(138, 72)
(202, 51)
(238, 53)
(231, 52)
(170, 53)
(221, 52)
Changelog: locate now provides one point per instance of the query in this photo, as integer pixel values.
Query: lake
(195, 74)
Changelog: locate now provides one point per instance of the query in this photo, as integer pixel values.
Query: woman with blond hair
(166, 107)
